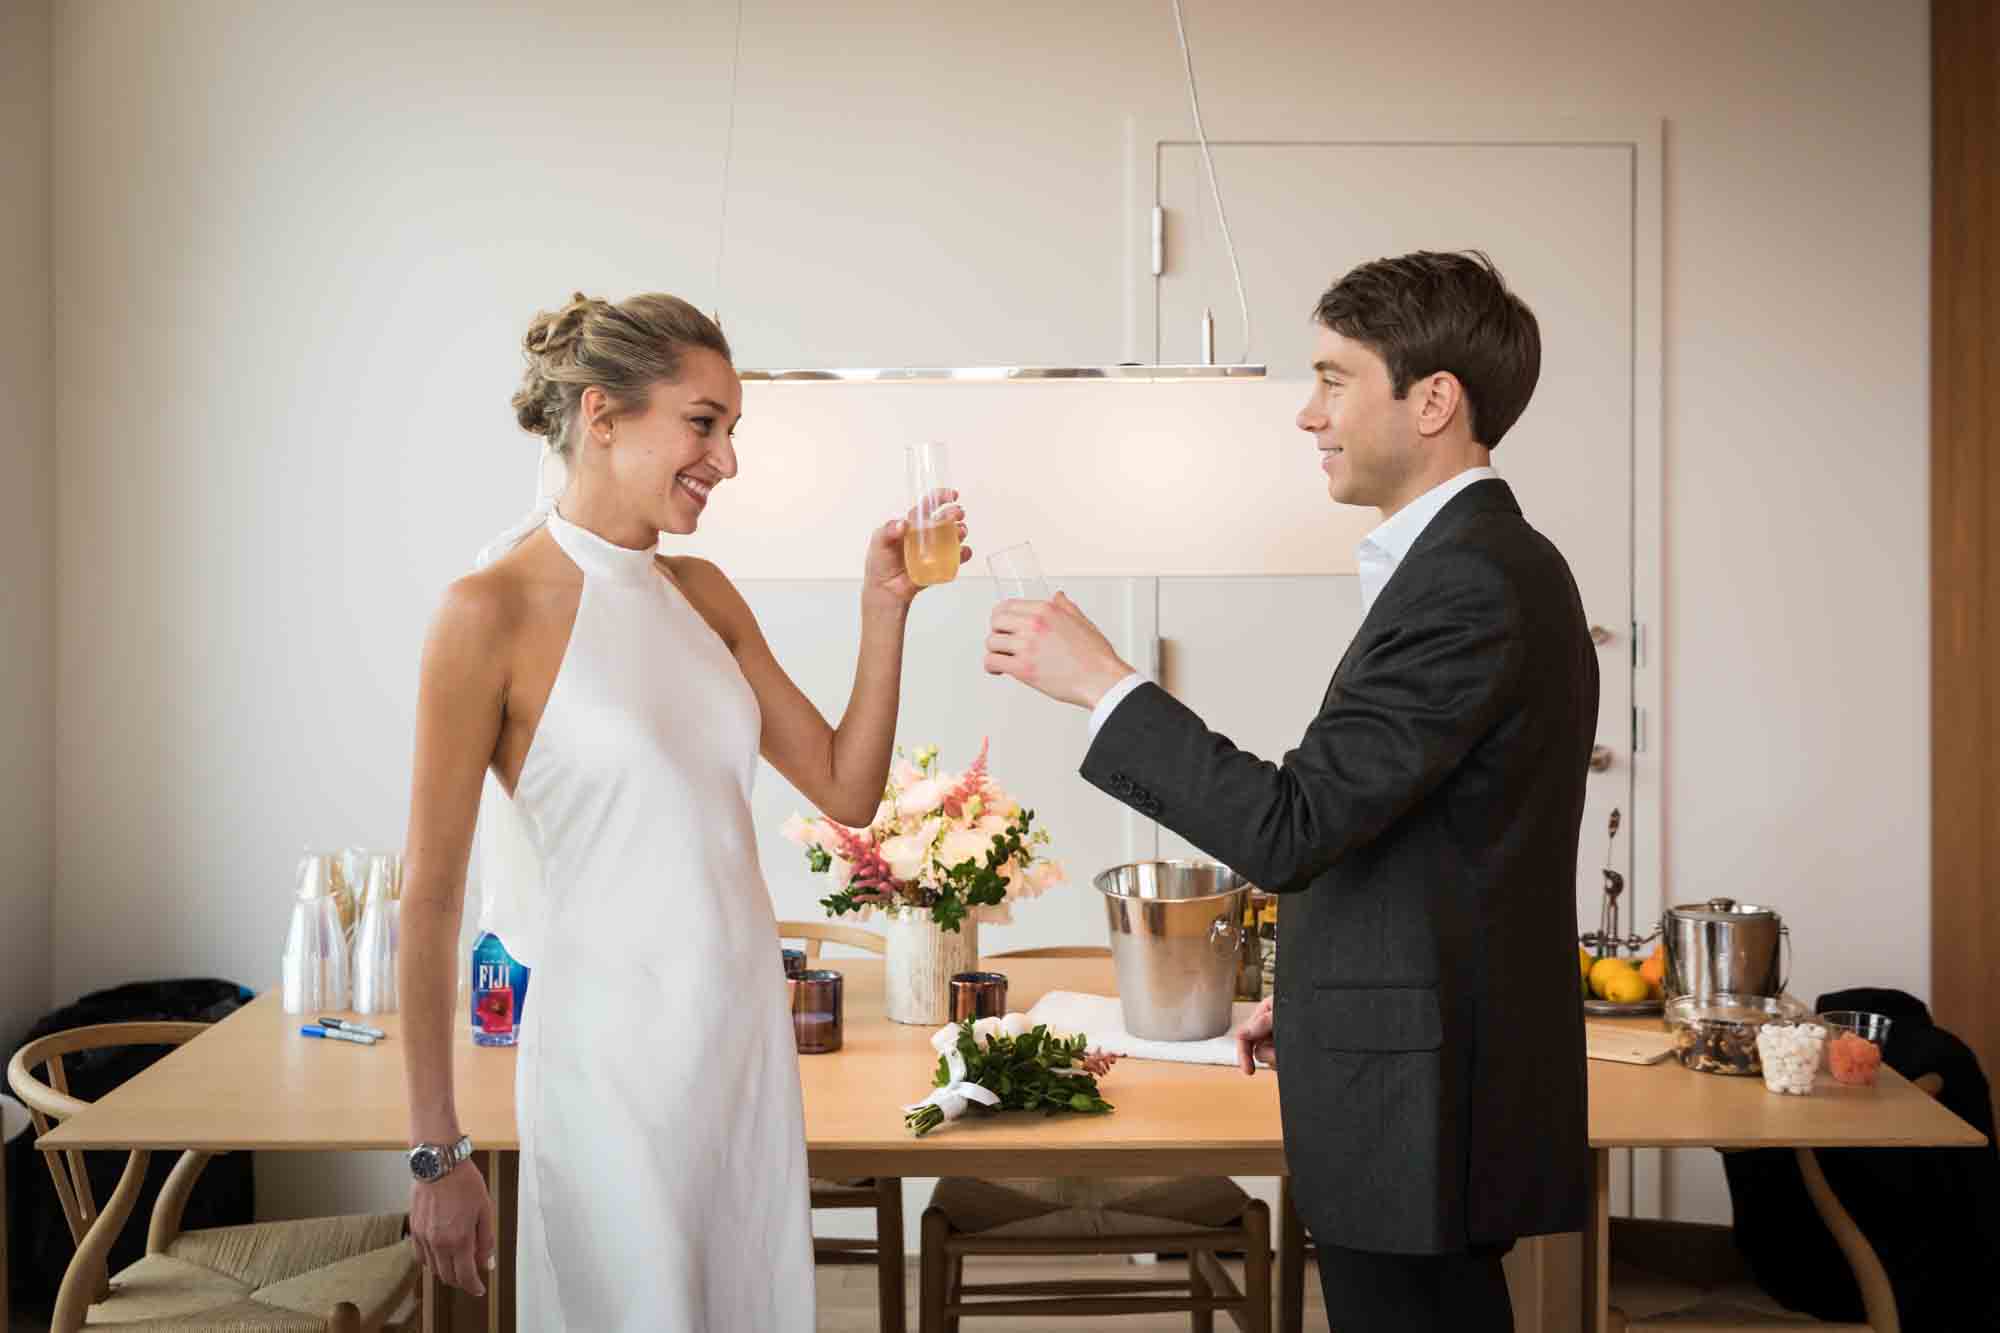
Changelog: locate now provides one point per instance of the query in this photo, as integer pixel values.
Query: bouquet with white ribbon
(1003, 1064)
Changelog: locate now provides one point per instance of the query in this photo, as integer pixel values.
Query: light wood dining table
(254, 1084)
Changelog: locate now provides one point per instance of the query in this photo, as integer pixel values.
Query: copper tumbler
(816, 1010)
(978, 995)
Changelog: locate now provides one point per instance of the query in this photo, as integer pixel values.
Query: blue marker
(335, 1034)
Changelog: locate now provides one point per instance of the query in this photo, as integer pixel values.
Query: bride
(620, 698)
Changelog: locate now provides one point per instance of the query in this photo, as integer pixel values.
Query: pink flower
(1098, 1063)
(903, 773)
(968, 785)
(800, 831)
(1046, 875)
(921, 798)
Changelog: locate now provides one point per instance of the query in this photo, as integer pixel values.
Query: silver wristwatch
(433, 1161)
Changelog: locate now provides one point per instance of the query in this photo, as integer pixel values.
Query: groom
(1425, 826)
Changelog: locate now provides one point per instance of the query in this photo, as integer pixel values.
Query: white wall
(27, 523)
(294, 248)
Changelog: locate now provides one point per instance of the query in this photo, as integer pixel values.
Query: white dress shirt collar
(1385, 548)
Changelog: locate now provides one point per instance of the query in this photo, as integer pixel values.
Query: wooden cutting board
(1626, 1045)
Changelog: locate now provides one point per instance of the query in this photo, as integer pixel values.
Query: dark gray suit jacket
(1429, 1035)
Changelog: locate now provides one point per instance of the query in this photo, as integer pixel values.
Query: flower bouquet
(950, 845)
(944, 852)
(1002, 1064)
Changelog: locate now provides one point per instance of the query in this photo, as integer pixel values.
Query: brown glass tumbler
(816, 1010)
(978, 995)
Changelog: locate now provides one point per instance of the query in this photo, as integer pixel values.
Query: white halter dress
(663, 1166)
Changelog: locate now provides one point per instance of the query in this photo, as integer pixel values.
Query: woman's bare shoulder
(713, 595)
(485, 611)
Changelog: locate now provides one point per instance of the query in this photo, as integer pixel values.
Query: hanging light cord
(728, 154)
(1208, 160)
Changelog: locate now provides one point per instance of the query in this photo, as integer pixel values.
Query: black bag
(1932, 1215)
(39, 1244)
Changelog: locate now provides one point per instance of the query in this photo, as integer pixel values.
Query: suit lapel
(1488, 496)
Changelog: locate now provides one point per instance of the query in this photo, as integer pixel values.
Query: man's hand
(1053, 647)
(1254, 1045)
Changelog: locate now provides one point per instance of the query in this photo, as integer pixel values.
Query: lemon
(1604, 969)
(1584, 960)
(1626, 987)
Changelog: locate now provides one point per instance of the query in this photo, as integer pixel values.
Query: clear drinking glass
(314, 968)
(375, 938)
(1017, 574)
(930, 543)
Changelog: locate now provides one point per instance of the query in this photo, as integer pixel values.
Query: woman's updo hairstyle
(623, 349)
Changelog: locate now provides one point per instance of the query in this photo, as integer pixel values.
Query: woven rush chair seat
(1074, 1207)
(355, 1274)
(273, 1277)
(1687, 1277)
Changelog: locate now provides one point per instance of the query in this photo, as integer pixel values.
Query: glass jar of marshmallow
(1791, 1054)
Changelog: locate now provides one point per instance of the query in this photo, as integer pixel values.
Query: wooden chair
(1687, 1277)
(883, 1195)
(342, 1274)
(1200, 1216)
(1058, 951)
(816, 934)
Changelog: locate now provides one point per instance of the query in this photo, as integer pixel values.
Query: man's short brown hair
(1427, 312)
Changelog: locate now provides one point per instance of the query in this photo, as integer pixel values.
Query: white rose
(945, 1038)
(841, 872)
(799, 830)
(906, 855)
(922, 797)
(983, 1029)
(963, 845)
(1046, 875)
(993, 826)
(1014, 1025)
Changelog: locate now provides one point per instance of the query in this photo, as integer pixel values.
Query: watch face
(426, 1163)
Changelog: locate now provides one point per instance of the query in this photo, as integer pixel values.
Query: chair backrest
(817, 933)
(49, 1102)
(1059, 951)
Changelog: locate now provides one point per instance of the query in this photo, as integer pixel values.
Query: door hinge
(1638, 730)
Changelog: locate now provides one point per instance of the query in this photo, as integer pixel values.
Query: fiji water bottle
(499, 992)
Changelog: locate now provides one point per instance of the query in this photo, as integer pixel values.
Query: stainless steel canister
(1725, 947)
(1175, 930)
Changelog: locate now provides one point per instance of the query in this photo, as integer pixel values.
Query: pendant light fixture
(1130, 372)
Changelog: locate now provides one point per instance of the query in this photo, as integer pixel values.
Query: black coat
(1429, 1034)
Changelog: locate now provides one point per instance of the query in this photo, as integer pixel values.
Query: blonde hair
(623, 349)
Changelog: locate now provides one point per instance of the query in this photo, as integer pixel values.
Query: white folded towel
(1101, 1018)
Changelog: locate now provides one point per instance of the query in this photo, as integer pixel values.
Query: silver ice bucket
(1175, 930)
